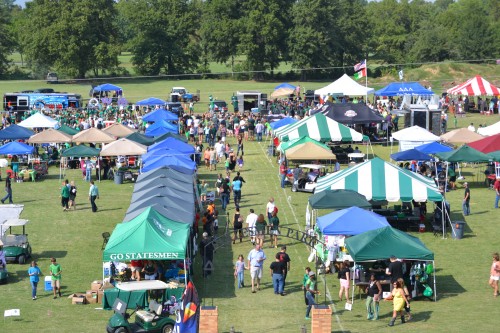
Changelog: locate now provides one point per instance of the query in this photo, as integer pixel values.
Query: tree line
(319, 38)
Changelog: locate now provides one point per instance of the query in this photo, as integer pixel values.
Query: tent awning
(80, 151)
(39, 120)
(119, 130)
(338, 199)
(309, 151)
(50, 135)
(487, 145)
(461, 135)
(16, 148)
(15, 132)
(403, 88)
(345, 86)
(464, 154)
(350, 221)
(93, 135)
(476, 86)
(123, 147)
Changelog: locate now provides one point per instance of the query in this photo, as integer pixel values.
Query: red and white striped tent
(477, 86)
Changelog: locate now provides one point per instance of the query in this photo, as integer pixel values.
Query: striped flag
(187, 317)
(360, 74)
(360, 66)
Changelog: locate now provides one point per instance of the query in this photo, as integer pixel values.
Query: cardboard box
(78, 298)
(96, 285)
(100, 296)
(91, 296)
(107, 285)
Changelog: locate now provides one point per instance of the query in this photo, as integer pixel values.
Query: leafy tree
(7, 43)
(70, 34)
(164, 35)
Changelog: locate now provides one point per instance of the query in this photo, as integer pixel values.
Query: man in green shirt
(310, 292)
(64, 196)
(55, 272)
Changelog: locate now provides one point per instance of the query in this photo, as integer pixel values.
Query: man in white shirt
(219, 149)
(251, 221)
(471, 127)
(270, 208)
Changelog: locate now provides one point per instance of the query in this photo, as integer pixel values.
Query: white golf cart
(308, 177)
(16, 245)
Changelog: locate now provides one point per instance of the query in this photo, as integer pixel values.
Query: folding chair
(105, 238)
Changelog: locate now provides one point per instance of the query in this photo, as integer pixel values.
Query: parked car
(52, 77)
(220, 106)
(175, 107)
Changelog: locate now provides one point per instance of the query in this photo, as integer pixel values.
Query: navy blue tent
(16, 148)
(172, 143)
(411, 154)
(433, 148)
(403, 88)
(160, 127)
(282, 122)
(160, 114)
(177, 162)
(16, 132)
(284, 85)
(107, 87)
(151, 101)
(350, 221)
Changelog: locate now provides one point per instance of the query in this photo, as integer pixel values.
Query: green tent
(151, 236)
(170, 135)
(386, 242)
(464, 154)
(495, 156)
(80, 151)
(140, 138)
(68, 130)
(285, 145)
(338, 199)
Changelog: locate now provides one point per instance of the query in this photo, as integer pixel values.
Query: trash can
(457, 229)
(119, 177)
(270, 150)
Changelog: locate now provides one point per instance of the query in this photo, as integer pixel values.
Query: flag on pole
(401, 75)
(360, 74)
(187, 317)
(360, 66)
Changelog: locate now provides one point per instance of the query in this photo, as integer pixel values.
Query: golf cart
(16, 246)
(154, 319)
(3, 270)
(308, 177)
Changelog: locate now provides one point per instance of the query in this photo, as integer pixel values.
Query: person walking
(496, 187)
(236, 186)
(34, 273)
(311, 287)
(260, 229)
(55, 271)
(237, 225)
(251, 221)
(256, 259)
(274, 224)
(408, 298)
(466, 201)
(93, 195)
(285, 259)
(239, 271)
(395, 269)
(225, 191)
(8, 189)
(344, 276)
(495, 274)
(374, 293)
(283, 171)
(64, 196)
(304, 282)
(72, 195)
(399, 300)
(270, 208)
(277, 272)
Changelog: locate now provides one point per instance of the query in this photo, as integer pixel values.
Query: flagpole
(366, 82)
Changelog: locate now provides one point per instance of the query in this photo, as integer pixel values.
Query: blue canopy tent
(282, 122)
(163, 152)
(350, 221)
(403, 88)
(161, 127)
(172, 143)
(16, 132)
(16, 148)
(151, 101)
(160, 114)
(433, 148)
(106, 87)
(285, 85)
(177, 162)
(411, 154)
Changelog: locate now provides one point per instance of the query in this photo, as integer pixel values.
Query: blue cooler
(48, 283)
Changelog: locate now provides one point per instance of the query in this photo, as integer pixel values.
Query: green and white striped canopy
(320, 128)
(379, 180)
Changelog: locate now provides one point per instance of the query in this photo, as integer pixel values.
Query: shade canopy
(415, 133)
(15, 132)
(170, 135)
(381, 244)
(411, 154)
(285, 85)
(160, 114)
(344, 86)
(184, 198)
(140, 138)
(487, 145)
(123, 147)
(350, 113)
(489, 130)
(165, 199)
(404, 88)
(285, 145)
(350, 221)
(338, 199)
(164, 173)
(433, 148)
(106, 87)
(476, 86)
(93, 135)
(68, 130)
(320, 128)
(379, 180)
(161, 127)
(176, 162)
(16, 148)
(80, 151)
(151, 101)
(282, 122)
(461, 135)
(148, 236)
(39, 120)
(119, 130)
(50, 135)
(154, 154)
(282, 92)
(172, 143)
(464, 154)
(309, 151)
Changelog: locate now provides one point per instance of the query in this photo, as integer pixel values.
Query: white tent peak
(39, 120)
(345, 86)
(415, 133)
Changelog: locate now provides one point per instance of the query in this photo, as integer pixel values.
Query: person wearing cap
(466, 201)
(207, 254)
(285, 259)
(496, 187)
(311, 290)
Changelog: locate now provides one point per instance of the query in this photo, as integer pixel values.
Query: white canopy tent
(489, 130)
(414, 136)
(345, 86)
(39, 120)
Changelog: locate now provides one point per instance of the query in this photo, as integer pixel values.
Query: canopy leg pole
(353, 283)
(443, 205)
(434, 275)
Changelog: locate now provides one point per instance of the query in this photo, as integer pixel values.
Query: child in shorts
(240, 162)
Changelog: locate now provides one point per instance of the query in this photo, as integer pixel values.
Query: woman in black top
(345, 277)
(374, 291)
(238, 225)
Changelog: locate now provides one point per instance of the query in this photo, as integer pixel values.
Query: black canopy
(349, 113)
